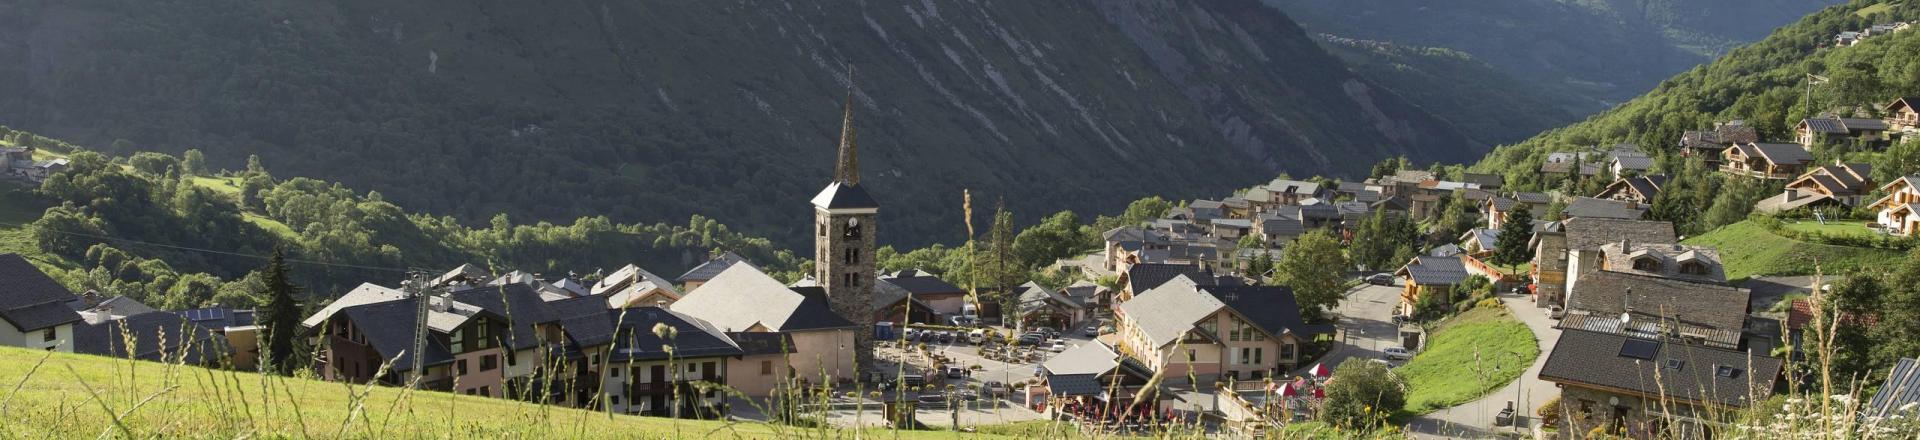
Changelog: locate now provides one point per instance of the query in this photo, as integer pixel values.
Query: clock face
(853, 222)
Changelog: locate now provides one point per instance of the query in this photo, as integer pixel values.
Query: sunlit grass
(1469, 356)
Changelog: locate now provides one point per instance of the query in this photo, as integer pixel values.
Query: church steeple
(848, 169)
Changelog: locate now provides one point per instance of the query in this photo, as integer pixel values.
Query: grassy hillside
(1459, 364)
(659, 110)
(1748, 250)
(70, 396)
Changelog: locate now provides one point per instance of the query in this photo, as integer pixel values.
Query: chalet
(1765, 160)
(359, 343)
(1404, 182)
(939, 296)
(1206, 211)
(1280, 226)
(237, 327)
(1563, 254)
(1840, 184)
(892, 304)
(1496, 209)
(1636, 189)
(526, 312)
(706, 271)
(1291, 192)
(1236, 207)
(1903, 116)
(34, 307)
(1091, 378)
(744, 299)
(1588, 207)
(1141, 277)
(1627, 164)
(1488, 182)
(1665, 260)
(1206, 331)
(1044, 307)
(632, 286)
(1897, 214)
(1125, 241)
(658, 356)
(1708, 144)
(569, 369)
(1231, 229)
(1429, 276)
(1836, 130)
(1649, 386)
(1479, 241)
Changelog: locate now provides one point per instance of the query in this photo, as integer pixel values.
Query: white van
(977, 336)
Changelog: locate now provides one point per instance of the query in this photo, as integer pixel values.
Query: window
(1259, 356)
(766, 368)
(1586, 406)
(853, 256)
(853, 280)
(823, 229)
(489, 362)
(1675, 364)
(1286, 351)
(1693, 268)
(1192, 355)
(853, 229)
(614, 372)
(49, 335)
(1726, 372)
(460, 367)
(616, 400)
(1646, 264)
(1246, 355)
(486, 391)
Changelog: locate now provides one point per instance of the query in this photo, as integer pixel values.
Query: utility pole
(418, 289)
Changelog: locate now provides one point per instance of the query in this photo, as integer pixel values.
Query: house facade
(34, 308)
(1765, 160)
(1243, 332)
(1897, 215)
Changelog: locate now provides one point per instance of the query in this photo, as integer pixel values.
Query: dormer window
(1646, 264)
(1693, 268)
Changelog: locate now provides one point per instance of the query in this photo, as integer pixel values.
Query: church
(844, 222)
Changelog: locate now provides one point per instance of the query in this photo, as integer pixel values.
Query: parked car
(977, 336)
(1091, 331)
(963, 321)
(994, 388)
(913, 380)
(1030, 340)
(1380, 279)
(1556, 312)
(1058, 346)
(956, 372)
(1397, 353)
(946, 337)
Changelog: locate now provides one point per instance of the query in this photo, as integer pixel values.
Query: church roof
(839, 195)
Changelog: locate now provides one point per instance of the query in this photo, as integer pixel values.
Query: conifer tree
(281, 314)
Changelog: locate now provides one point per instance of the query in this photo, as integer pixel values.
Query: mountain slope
(1600, 51)
(1482, 100)
(657, 110)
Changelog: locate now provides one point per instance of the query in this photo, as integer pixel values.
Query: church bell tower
(844, 230)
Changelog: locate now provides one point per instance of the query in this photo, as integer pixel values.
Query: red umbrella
(1287, 390)
(1320, 370)
(1319, 393)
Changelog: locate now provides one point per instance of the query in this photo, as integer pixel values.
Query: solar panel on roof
(1639, 349)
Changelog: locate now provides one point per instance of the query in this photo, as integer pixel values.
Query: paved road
(1475, 419)
(1366, 322)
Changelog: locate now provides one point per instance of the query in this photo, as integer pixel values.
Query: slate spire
(847, 170)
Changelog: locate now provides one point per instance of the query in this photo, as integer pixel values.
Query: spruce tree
(1511, 245)
(281, 314)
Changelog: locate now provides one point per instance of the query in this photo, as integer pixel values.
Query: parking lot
(976, 371)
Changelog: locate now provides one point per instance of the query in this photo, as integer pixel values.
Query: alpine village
(1729, 253)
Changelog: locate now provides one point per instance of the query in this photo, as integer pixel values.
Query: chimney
(439, 303)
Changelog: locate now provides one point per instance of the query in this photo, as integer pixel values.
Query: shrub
(1362, 395)
(1550, 412)
(1488, 302)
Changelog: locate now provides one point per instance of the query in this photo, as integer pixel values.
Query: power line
(210, 251)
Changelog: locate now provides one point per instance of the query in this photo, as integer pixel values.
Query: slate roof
(712, 268)
(219, 317)
(757, 343)
(1034, 296)
(839, 195)
(1556, 167)
(1588, 207)
(1484, 180)
(583, 319)
(1596, 359)
(1902, 388)
(635, 339)
(1708, 305)
(156, 335)
(1069, 385)
(523, 307)
(1412, 176)
(469, 273)
(1272, 308)
(388, 327)
(29, 299)
(1147, 276)
(1636, 163)
(1435, 271)
(1486, 237)
(1588, 233)
(743, 296)
(1296, 187)
(1824, 125)
(1777, 153)
(922, 283)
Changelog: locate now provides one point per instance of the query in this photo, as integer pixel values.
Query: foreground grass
(1747, 250)
(70, 396)
(1468, 357)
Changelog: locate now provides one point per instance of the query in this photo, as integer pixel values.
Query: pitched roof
(1069, 385)
(1777, 153)
(523, 307)
(1295, 187)
(740, 297)
(636, 338)
(388, 327)
(366, 293)
(469, 273)
(756, 343)
(921, 283)
(1708, 305)
(1034, 296)
(815, 313)
(1629, 162)
(1091, 358)
(1902, 388)
(1272, 308)
(1643, 366)
(1166, 313)
(1589, 233)
(156, 336)
(1532, 198)
(30, 299)
(1147, 276)
(1824, 125)
(712, 268)
(1436, 271)
(1589, 207)
(583, 319)
(839, 195)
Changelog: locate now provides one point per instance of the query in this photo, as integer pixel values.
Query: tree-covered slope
(1763, 83)
(1599, 51)
(1487, 103)
(654, 110)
